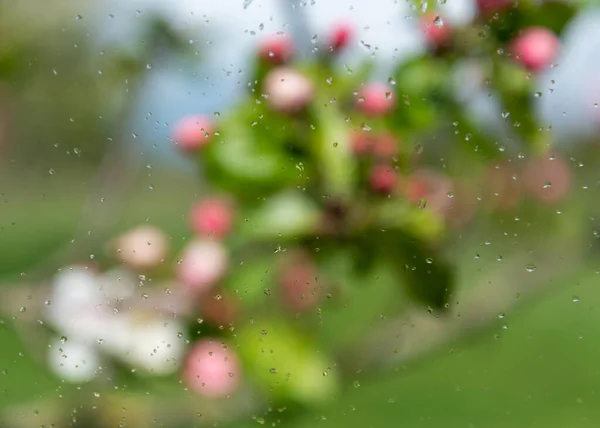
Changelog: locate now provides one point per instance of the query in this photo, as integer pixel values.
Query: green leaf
(249, 280)
(285, 364)
(244, 165)
(286, 214)
(427, 276)
(422, 224)
(337, 165)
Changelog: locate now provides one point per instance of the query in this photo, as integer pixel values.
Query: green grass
(542, 371)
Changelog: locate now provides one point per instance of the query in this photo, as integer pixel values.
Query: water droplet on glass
(530, 267)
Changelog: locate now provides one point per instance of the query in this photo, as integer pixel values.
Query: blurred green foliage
(532, 366)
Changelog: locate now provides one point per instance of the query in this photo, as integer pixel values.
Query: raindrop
(530, 267)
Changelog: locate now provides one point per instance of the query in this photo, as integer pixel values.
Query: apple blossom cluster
(322, 168)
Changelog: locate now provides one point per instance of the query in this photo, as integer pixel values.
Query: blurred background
(90, 98)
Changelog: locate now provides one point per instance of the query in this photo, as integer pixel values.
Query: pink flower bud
(548, 179)
(385, 146)
(143, 247)
(203, 263)
(361, 143)
(212, 369)
(383, 179)
(437, 32)
(536, 48)
(288, 91)
(375, 99)
(211, 217)
(277, 49)
(486, 7)
(299, 283)
(341, 35)
(193, 132)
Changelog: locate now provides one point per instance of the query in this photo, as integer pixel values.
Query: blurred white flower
(101, 314)
(76, 306)
(202, 265)
(288, 90)
(142, 247)
(73, 360)
(156, 345)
